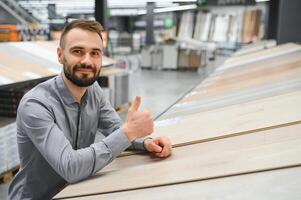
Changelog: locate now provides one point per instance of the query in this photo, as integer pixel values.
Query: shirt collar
(66, 94)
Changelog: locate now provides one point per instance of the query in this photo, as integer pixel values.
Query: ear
(59, 52)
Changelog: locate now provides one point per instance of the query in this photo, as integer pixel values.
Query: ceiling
(55, 11)
(41, 9)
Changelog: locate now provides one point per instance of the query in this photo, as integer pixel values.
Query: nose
(86, 59)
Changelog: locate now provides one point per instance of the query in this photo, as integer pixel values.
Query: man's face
(81, 57)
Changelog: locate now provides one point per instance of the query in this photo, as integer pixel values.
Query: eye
(95, 53)
(77, 52)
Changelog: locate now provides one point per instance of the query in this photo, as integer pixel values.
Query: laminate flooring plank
(234, 98)
(245, 86)
(262, 55)
(232, 120)
(16, 69)
(21, 66)
(238, 58)
(245, 79)
(11, 75)
(209, 148)
(196, 163)
(282, 184)
(277, 76)
(19, 54)
(256, 65)
(248, 84)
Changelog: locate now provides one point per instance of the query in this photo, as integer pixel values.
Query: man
(57, 121)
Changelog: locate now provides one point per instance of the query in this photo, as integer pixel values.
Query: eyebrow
(79, 47)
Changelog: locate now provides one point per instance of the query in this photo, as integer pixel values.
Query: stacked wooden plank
(237, 135)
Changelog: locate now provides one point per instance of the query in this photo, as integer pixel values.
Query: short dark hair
(84, 24)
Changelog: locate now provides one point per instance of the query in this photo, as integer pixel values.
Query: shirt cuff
(138, 144)
(117, 142)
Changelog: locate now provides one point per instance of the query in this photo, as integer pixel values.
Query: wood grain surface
(247, 83)
(236, 119)
(249, 77)
(265, 150)
(280, 184)
(261, 55)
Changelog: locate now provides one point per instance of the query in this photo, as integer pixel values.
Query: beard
(82, 80)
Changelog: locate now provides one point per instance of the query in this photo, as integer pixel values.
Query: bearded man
(57, 121)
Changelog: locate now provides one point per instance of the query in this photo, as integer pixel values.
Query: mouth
(84, 69)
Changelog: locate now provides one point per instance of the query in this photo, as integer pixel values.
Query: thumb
(136, 104)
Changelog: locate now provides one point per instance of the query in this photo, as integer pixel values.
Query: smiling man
(58, 119)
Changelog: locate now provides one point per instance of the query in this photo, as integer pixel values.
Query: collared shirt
(55, 136)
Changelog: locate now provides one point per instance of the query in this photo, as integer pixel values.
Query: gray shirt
(55, 136)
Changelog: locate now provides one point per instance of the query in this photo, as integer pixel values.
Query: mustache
(78, 66)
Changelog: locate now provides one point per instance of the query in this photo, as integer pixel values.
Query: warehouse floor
(158, 89)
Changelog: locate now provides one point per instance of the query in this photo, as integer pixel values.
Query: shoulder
(95, 88)
(96, 91)
(39, 94)
(98, 96)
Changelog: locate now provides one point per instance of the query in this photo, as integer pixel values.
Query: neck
(77, 92)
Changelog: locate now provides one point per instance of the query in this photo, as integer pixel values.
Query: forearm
(109, 148)
(73, 165)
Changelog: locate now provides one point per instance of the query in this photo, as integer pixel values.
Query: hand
(160, 146)
(138, 124)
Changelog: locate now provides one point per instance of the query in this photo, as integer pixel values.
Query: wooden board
(261, 55)
(255, 66)
(280, 184)
(236, 119)
(234, 98)
(243, 84)
(234, 143)
(247, 78)
(193, 107)
(265, 150)
(20, 70)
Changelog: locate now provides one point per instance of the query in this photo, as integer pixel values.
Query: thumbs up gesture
(138, 123)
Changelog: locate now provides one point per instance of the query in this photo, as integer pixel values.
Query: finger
(155, 148)
(164, 141)
(166, 146)
(166, 151)
(136, 104)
